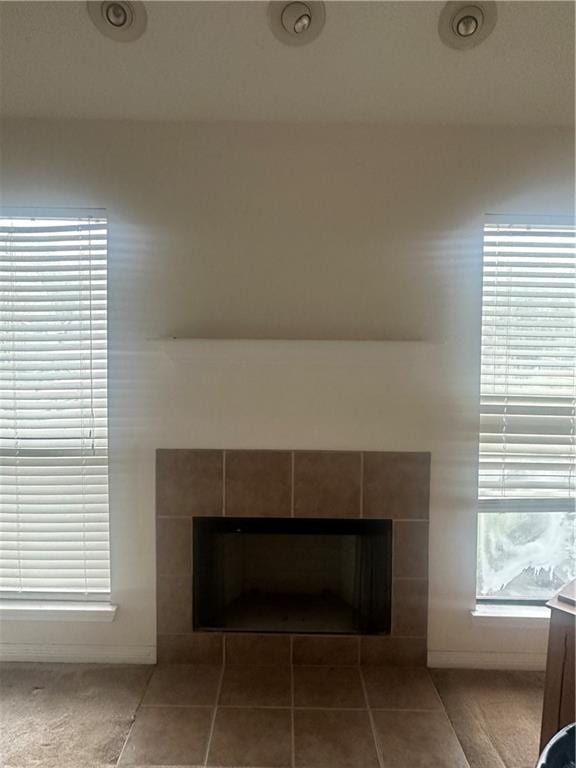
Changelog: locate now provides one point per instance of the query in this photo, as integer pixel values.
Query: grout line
(371, 718)
(392, 572)
(214, 713)
(361, 484)
(300, 707)
(191, 575)
(392, 519)
(305, 708)
(292, 462)
(223, 483)
(209, 706)
(407, 709)
(283, 634)
(264, 706)
(355, 665)
(313, 666)
(358, 651)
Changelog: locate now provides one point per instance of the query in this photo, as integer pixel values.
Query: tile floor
(183, 716)
(292, 717)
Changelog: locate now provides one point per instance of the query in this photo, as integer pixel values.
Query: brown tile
(188, 482)
(173, 545)
(396, 485)
(328, 687)
(183, 685)
(258, 483)
(326, 484)
(417, 740)
(174, 603)
(410, 548)
(191, 648)
(256, 687)
(333, 739)
(251, 737)
(168, 736)
(325, 650)
(257, 650)
(400, 688)
(410, 607)
(396, 651)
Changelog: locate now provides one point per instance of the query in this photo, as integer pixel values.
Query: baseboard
(146, 654)
(486, 660)
(98, 654)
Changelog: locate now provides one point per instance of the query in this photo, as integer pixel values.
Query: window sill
(517, 616)
(48, 610)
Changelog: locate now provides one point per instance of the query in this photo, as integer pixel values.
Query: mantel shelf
(413, 359)
(222, 340)
(182, 349)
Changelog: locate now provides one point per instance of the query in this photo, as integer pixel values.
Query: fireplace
(288, 575)
(308, 557)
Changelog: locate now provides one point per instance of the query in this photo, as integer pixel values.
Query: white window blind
(527, 461)
(54, 532)
(528, 385)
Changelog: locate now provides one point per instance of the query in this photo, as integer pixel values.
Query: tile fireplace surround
(309, 484)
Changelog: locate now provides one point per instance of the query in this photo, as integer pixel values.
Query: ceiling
(374, 61)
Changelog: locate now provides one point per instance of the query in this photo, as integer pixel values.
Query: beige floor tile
(168, 736)
(257, 650)
(251, 738)
(400, 688)
(333, 739)
(328, 687)
(256, 687)
(183, 685)
(329, 651)
(386, 650)
(417, 740)
(191, 648)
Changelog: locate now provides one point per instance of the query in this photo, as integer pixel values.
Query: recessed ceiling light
(296, 23)
(118, 14)
(121, 20)
(467, 25)
(464, 25)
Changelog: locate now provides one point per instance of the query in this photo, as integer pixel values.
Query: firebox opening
(287, 575)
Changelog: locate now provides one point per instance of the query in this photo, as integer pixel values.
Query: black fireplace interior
(292, 575)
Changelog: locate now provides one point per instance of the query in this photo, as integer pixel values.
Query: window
(54, 539)
(527, 461)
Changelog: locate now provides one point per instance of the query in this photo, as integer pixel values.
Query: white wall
(337, 232)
